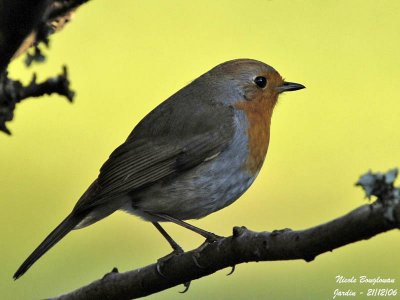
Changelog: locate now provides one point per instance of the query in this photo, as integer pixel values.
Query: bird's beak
(289, 86)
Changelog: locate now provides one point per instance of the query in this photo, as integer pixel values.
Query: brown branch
(246, 246)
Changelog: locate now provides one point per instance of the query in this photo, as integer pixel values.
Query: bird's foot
(161, 261)
(211, 238)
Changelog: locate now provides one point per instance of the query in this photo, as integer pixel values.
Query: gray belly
(209, 187)
(193, 195)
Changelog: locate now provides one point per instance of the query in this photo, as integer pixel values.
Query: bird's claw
(159, 271)
(212, 238)
(209, 240)
(186, 285)
(232, 270)
(161, 261)
(196, 262)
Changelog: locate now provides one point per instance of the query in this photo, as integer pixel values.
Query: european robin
(194, 154)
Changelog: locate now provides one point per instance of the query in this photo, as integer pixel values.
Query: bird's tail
(57, 234)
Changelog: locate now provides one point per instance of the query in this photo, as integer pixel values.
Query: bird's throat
(259, 121)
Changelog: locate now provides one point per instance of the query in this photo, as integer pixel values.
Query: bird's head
(251, 81)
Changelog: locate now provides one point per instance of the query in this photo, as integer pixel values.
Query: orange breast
(258, 114)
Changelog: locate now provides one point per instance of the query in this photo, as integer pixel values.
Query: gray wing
(145, 159)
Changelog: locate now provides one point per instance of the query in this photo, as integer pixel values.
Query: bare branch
(24, 24)
(246, 246)
(17, 20)
(13, 92)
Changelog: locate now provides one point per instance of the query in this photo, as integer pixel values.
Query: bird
(194, 154)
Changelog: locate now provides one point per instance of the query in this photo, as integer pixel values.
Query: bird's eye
(261, 81)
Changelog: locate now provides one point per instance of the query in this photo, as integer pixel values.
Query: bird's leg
(176, 248)
(210, 237)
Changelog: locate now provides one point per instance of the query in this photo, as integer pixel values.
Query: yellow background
(125, 57)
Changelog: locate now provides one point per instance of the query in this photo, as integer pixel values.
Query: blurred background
(125, 57)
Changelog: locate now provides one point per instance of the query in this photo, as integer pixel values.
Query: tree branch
(24, 24)
(249, 246)
(13, 92)
(17, 20)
